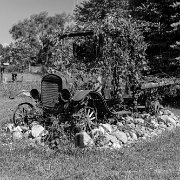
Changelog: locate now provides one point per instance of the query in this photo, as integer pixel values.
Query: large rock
(111, 138)
(17, 135)
(172, 121)
(37, 130)
(145, 116)
(83, 140)
(120, 124)
(167, 119)
(116, 146)
(170, 127)
(178, 124)
(163, 118)
(133, 136)
(107, 128)
(162, 125)
(24, 128)
(132, 125)
(10, 127)
(154, 124)
(121, 136)
(139, 120)
(129, 119)
(97, 132)
(27, 134)
(167, 112)
(174, 117)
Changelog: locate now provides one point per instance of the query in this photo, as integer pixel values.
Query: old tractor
(62, 105)
(86, 108)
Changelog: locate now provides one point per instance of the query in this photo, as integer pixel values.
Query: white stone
(163, 118)
(174, 117)
(25, 128)
(121, 136)
(131, 125)
(161, 112)
(172, 121)
(97, 132)
(18, 128)
(155, 124)
(139, 120)
(26, 134)
(37, 130)
(17, 135)
(116, 146)
(129, 119)
(114, 127)
(111, 138)
(44, 133)
(107, 128)
(32, 142)
(159, 131)
(133, 136)
(178, 124)
(162, 125)
(38, 140)
(153, 134)
(167, 112)
(171, 127)
(119, 124)
(10, 127)
(146, 115)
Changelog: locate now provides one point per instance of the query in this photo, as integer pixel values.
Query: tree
(123, 46)
(176, 31)
(159, 16)
(37, 37)
(96, 10)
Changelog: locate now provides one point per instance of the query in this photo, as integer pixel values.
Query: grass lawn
(29, 82)
(24, 77)
(156, 159)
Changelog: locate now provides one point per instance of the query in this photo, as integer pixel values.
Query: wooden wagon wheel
(23, 114)
(87, 118)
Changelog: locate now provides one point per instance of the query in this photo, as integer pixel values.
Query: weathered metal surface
(80, 94)
(157, 84)
(51, 86)
(49, 93)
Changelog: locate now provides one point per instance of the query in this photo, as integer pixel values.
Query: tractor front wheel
(23, 114)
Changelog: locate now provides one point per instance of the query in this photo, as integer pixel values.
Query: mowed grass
(10, 88)
(23, 76)
(158, 158)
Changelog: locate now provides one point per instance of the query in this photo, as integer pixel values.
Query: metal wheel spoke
(91, 114)
(22, 112)
(87, 118)
(93, 118)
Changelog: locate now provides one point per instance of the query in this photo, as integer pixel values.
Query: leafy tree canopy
(36, 38)
(123, 45)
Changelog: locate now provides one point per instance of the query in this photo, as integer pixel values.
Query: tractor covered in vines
(62, 107)
(83, 110)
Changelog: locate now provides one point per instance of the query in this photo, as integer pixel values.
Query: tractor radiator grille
(49, 94)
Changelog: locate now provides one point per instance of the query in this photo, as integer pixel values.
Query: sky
(13, 11)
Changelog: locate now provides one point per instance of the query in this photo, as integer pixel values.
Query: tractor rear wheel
(86, 118)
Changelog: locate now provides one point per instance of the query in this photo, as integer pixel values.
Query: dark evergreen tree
(176, 32)
(160, 37)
